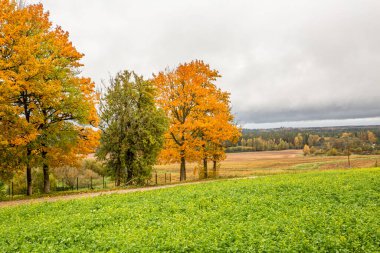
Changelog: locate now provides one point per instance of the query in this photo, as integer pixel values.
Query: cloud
(281, 60)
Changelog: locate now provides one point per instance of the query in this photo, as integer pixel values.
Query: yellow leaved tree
(44, 104)
(199, 115)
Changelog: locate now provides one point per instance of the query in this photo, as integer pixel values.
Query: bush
(95, 166)
(239, 149)
(358, 150)
(306, 150)
(19, 182)
(319, 152)
(332, 152)
(68, 175)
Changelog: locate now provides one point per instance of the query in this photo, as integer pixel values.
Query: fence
(92, 183)
(95, 183)
(78, 183)
(163, 178)
(62, 184)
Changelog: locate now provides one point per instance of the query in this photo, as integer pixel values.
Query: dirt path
(94, 194)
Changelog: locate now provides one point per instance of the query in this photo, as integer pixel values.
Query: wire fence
(91, 183)
(63, 184)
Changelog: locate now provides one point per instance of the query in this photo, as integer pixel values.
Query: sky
(286, 63)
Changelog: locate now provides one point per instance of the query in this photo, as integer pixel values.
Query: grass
(271, 162)
(317, 211)
(236, 165)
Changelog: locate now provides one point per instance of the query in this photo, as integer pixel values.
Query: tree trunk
(46, 178)
(129, 175)
(29, 190)
(182, 174)
(117, 176)
(205, 167)
(29, 187)
(45, 168)
(183, 169)
(130, 157)
(214, 167)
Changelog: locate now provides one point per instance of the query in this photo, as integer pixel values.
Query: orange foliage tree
(216, 129)
(44, 104)
(198, 113)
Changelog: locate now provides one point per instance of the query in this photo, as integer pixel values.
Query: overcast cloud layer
(283, 61)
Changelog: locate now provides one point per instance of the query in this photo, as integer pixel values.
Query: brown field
(267, 163)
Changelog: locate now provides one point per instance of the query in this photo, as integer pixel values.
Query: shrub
(306, 150)
(68, 175)
(332, 152)
(19, 182)
(95, 166)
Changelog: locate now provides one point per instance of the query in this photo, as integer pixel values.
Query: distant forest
(316, 140)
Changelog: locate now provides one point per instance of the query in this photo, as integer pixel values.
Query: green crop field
(327, 211)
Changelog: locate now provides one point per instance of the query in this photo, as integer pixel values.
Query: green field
(318, 211)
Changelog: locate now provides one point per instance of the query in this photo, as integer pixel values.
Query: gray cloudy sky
(286, 63)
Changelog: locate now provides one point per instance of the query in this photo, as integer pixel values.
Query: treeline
(51, 118)
(327, 140)
(363, 143)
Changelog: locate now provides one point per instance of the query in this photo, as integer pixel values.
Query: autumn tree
(215, 128)
(132, 127)
(313, 139)
(298, 141)
(371, 137)
(191, 101)
(41, 95)
(306, 150)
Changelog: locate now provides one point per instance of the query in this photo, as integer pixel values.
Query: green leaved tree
(132, 128)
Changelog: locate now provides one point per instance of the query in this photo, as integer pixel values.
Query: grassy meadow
(269, 163)
(320, 211)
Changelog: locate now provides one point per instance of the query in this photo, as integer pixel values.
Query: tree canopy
(132, 128)
(198, 112)
(45, 106)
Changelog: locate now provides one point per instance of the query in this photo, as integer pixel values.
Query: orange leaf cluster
(199, 113)
(40, 90)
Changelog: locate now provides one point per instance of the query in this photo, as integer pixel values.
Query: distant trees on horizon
(319, 142)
